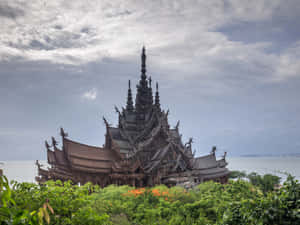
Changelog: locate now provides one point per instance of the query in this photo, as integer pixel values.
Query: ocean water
(26, 170)
(278, 166)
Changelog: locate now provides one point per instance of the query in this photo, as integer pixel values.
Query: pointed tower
(157, 103)
(142, 95)
(143, 81)
(150, 92)
(129, 106)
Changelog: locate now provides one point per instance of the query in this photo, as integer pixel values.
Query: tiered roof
(141, 145)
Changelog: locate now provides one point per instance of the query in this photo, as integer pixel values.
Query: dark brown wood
(141, 151)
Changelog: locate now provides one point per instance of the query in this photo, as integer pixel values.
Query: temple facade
(142, 150)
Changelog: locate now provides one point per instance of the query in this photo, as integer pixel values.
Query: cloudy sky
(229, 70)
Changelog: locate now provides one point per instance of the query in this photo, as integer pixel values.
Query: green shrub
(238, 202)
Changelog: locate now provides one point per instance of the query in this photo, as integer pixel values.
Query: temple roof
(222, 162)
(50, 157)
(78, 150)
(60, 157)
(204, 162)
(88, 158)
(213, 173)
(142, 143)
(156, 159)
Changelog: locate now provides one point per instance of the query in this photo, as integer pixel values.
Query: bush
(238, 202)
(267, 182)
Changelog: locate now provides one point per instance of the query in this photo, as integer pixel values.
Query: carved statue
(214, 149)
(38, 164)
(62, 133)
(54, 142)
(189, 143)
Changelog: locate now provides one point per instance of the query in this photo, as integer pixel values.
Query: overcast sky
(227, 69)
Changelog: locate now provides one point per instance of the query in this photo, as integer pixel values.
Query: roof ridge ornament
(54, 142)
(117, 110)
(47, 145)
(62, 133)
(177, 125)
(213, 150)
(105, 122)
(189, 143)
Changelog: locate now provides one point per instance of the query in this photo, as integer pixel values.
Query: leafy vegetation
(238, 202)
(267, 182)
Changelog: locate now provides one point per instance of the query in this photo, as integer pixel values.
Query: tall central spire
(143, 81)
(142, 102)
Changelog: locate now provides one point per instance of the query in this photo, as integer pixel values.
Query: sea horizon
(26, 170)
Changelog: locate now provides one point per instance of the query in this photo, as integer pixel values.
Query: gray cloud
(10, 12)
(229, 70)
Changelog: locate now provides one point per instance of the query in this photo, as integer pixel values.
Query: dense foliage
(238, 202)
(267, 182)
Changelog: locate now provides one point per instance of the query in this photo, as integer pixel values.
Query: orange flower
(136, 192)
(155, 192)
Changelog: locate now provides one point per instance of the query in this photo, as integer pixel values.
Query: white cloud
(181, 34)
(288, 63)
(90, 95)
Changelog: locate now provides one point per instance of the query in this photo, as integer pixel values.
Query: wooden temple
(142, 150)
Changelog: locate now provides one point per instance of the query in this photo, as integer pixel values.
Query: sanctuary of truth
(142, 150)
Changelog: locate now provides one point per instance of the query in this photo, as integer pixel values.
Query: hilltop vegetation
(238, 202)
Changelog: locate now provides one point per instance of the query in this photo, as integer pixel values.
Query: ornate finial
(213, 150)
(120, 116)
(54, 142)
(167, 113)
(117, 110)
(47, 145)
(143, 56)
(157, 103)
(189, 143)
(38, 164)
(129, 105)
(150, 97)
(105, 122)
(177, 125)
(62, 133)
